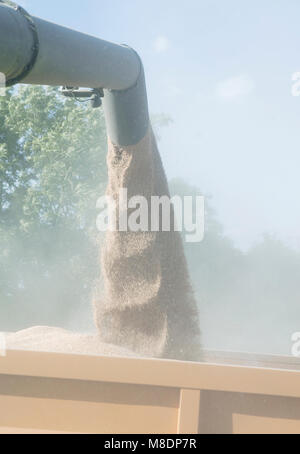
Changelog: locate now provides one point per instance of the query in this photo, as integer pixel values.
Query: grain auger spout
(34, 51)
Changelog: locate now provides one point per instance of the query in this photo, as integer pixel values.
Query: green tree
(214, 263)
(52, 170)
(248, 300)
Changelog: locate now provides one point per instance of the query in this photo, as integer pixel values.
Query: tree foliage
(52, 170)
(248, 300)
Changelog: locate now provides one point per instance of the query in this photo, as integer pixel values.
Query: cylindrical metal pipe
(68, 57)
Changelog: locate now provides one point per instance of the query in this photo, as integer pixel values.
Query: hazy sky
(222, 70)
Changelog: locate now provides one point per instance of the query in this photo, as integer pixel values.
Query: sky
(222, 70)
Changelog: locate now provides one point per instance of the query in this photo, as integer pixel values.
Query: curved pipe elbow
(127, 112)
